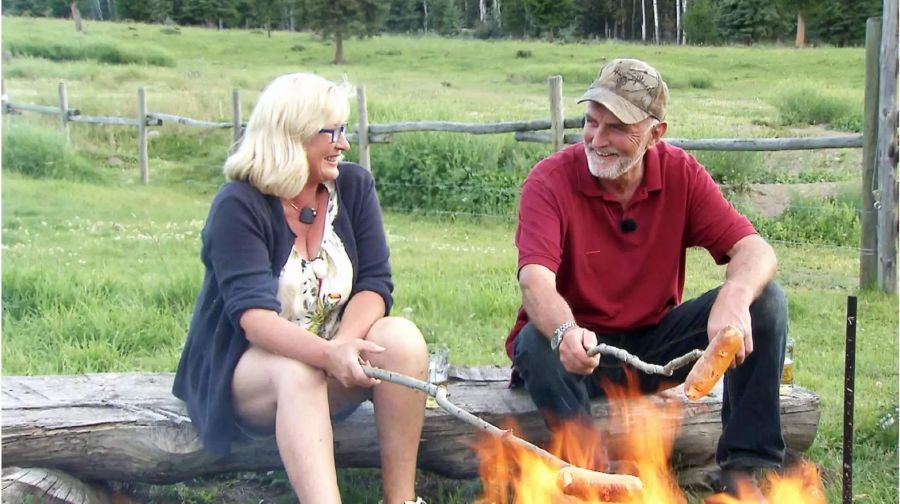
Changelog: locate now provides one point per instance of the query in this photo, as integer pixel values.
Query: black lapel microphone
(628, 225)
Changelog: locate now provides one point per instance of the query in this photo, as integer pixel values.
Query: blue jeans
(751, 417)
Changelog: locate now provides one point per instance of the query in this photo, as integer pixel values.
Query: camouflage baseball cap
(630, 89)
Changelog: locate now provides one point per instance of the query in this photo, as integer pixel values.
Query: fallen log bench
(128, 427)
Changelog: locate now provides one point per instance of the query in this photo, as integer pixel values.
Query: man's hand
(732, 307)
(345, 359)
(573, 351)
(752, 266)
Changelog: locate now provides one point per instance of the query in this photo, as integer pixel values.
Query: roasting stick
(633, 360)
(572, 480)
(710, 364)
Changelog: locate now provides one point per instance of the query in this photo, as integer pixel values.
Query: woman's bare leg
(269, 388)
(399, 410)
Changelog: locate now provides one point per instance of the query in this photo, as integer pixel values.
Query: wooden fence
(878, 249)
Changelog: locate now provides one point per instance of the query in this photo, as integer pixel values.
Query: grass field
(99, 273)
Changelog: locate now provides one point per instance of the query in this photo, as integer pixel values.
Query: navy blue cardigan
(246, 243)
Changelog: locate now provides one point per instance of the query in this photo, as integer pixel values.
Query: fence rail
(875, 231)
(734, 144)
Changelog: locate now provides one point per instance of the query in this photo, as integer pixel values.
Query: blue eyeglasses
(334, 132)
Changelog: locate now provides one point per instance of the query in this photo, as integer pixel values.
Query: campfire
(511, 474)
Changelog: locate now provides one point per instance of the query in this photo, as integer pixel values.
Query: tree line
(702, 22)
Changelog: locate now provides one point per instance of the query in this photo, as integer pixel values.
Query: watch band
(558, 334)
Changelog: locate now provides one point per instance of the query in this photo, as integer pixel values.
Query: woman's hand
(345, 359)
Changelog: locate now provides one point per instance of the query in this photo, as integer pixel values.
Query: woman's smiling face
(324, 155)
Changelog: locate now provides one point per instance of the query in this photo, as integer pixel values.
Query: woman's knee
(401, 339)
(291, 376)
(262, 379)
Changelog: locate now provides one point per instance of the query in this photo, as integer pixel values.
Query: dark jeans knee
(769, 318)
(558, 394)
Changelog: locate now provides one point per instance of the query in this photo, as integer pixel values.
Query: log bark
(128, 427)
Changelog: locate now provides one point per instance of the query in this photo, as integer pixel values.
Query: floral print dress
(312, 292)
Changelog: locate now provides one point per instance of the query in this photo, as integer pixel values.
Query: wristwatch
(559, 333)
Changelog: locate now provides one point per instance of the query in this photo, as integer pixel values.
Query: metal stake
(849, 379)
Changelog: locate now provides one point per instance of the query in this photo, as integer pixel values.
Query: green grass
(100, 273)
(43, 153)
(808, 106)
(98, 51)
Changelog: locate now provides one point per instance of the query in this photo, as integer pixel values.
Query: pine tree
(746, 21)
(700, 23)
(361, 18)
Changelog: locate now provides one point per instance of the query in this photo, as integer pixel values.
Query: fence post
(236, 116)
(886, 151)
(557, 118)
(868, 246)
(64, 110)
(362, 131)
(7, 112)
(142, 136)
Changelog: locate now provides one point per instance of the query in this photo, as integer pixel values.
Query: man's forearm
(545, 307)
(752, 266)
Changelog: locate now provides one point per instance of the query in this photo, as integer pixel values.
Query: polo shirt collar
(590, 186)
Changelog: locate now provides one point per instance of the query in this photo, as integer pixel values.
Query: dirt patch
(771, 200)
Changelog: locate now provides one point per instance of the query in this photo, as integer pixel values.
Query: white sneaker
(418, 500)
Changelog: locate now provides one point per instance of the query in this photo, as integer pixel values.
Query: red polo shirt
(616, 281)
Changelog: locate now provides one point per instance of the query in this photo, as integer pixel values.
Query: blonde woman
(296, 295)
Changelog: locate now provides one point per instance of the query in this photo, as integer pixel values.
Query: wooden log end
(52, 486)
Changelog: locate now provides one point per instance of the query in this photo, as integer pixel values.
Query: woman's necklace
(306, 214)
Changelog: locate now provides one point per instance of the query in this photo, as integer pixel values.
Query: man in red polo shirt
(603, 230)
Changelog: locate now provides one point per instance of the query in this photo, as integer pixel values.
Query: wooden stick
(574, 481)
(624, 356)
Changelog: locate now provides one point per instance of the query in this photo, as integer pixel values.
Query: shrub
(700, 82)
(452, 174)
(488, 30)
(831, 221)
(735, 170)
(102, 52)
(807, 106)
(42, 153)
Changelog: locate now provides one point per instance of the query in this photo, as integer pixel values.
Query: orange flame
(636, 439)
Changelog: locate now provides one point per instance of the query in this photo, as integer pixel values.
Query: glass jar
(787, 372)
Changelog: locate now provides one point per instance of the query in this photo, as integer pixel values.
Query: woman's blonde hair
(290, 110)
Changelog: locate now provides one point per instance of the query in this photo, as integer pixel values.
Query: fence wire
(826, 261)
